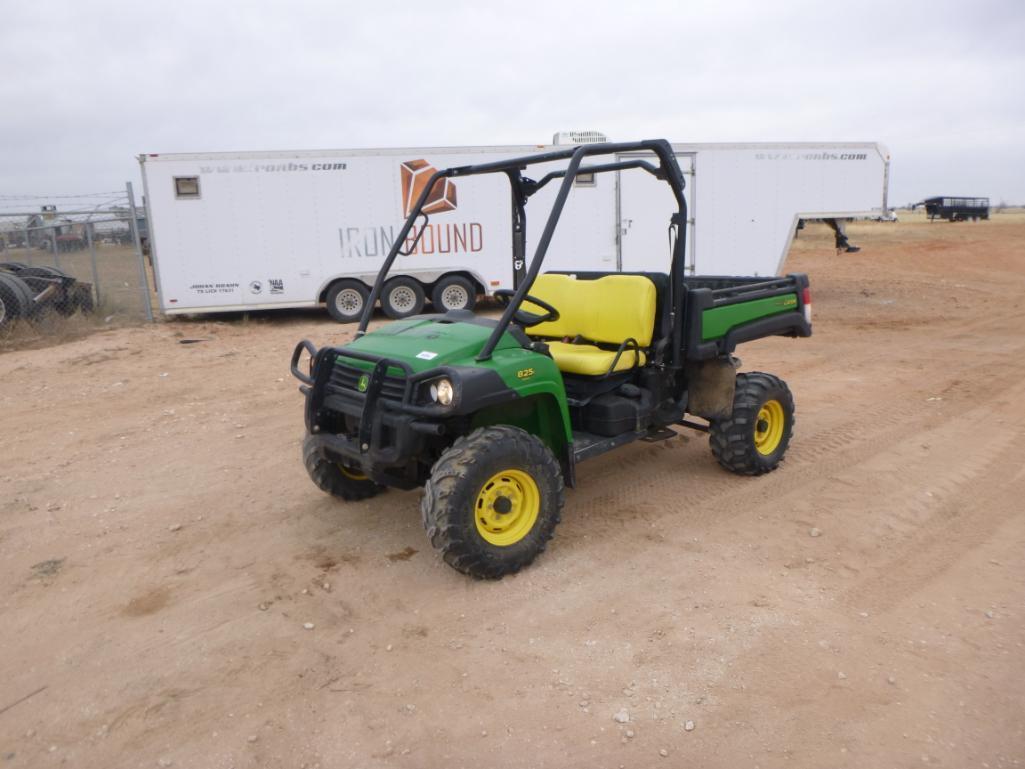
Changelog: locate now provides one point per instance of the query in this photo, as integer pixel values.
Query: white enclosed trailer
(258, 230)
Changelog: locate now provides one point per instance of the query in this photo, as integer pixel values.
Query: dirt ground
(161, 549)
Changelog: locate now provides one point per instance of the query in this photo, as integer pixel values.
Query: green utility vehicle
(492, 415)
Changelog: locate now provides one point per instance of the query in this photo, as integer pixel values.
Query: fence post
(53, 245)
(28, 247)
(92, 259)
(143, 282)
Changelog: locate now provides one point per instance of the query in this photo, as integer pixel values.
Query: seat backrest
(609, 309)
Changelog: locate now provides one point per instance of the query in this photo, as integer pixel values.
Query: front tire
(754, 438)
(336, 479)
(493, 501)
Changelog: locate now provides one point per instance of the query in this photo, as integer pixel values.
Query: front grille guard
(315, 382)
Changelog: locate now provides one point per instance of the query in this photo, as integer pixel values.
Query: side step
(587, 445)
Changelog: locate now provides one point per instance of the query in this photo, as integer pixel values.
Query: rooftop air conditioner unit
(579, 137)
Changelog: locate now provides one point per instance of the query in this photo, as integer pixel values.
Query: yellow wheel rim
(507, 507)
(352, 475)
(769, 427)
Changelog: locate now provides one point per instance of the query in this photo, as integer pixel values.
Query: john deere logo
(361, 385)
(415, 175)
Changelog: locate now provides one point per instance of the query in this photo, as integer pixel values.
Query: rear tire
(454, 292)
(493, 501)
(402, 297)
(346, 300)
(336, 479)
(754, 438)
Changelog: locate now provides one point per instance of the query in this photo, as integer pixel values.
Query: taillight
(806, 301)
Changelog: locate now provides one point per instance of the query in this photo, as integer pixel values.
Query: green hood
(426, 343)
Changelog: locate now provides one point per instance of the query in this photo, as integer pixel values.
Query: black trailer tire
(42, 272)
(10, 306)
(402, 297)
(346, 300)
(454, 292)
(336, 480)
(474, 479)
(754, 438)
(16, 297)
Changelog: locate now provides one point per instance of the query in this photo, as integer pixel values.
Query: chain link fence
(74, 266)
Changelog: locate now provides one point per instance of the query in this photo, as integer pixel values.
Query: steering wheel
(522, 317)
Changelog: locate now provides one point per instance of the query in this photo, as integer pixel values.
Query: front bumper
(378, 430)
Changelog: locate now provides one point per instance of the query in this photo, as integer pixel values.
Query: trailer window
(585, 180)
(186, 186)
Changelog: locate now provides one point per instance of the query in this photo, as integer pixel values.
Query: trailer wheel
(346, 300)
(493, 501)
(15, 298)
(454, 292)
(336, 479)
(5, 315)
(402, 297)
(754, 438)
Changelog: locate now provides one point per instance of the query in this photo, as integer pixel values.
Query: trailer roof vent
(579, 137)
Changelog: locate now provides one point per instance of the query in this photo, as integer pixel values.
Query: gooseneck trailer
(956, 209)
(492, 415)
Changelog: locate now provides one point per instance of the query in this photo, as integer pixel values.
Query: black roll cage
(522, 188)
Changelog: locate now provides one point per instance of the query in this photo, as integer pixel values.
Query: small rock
(584, 703)
(308, 625)
(165, 762)
(30, 733)
(621, 717)
(483, 732)
(664, 753)
(841, 676)
(815, 532)
(689, 726)
(891, 680)
(388, 648)
(175, 527)
(263, 606)
(989, 615)
(252, 738)
(240, 435)
(630, 733)
(863, 614)
(326, 586)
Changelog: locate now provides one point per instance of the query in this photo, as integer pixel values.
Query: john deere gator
(492, 415)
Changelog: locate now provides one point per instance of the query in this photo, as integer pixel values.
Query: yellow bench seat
(607, 311)
(589, 360)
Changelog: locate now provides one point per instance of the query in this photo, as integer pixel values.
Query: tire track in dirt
(826, 452)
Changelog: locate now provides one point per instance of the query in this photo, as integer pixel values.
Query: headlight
(442, 392)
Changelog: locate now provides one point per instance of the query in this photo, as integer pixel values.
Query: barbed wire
(120, 193)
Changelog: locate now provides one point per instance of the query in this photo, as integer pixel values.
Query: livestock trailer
(956, 209)
(236, 231)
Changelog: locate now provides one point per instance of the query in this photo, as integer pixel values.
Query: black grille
(344, 380)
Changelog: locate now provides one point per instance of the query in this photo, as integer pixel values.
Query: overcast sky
(86, 86)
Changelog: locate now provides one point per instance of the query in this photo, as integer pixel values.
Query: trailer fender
(425, 277)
